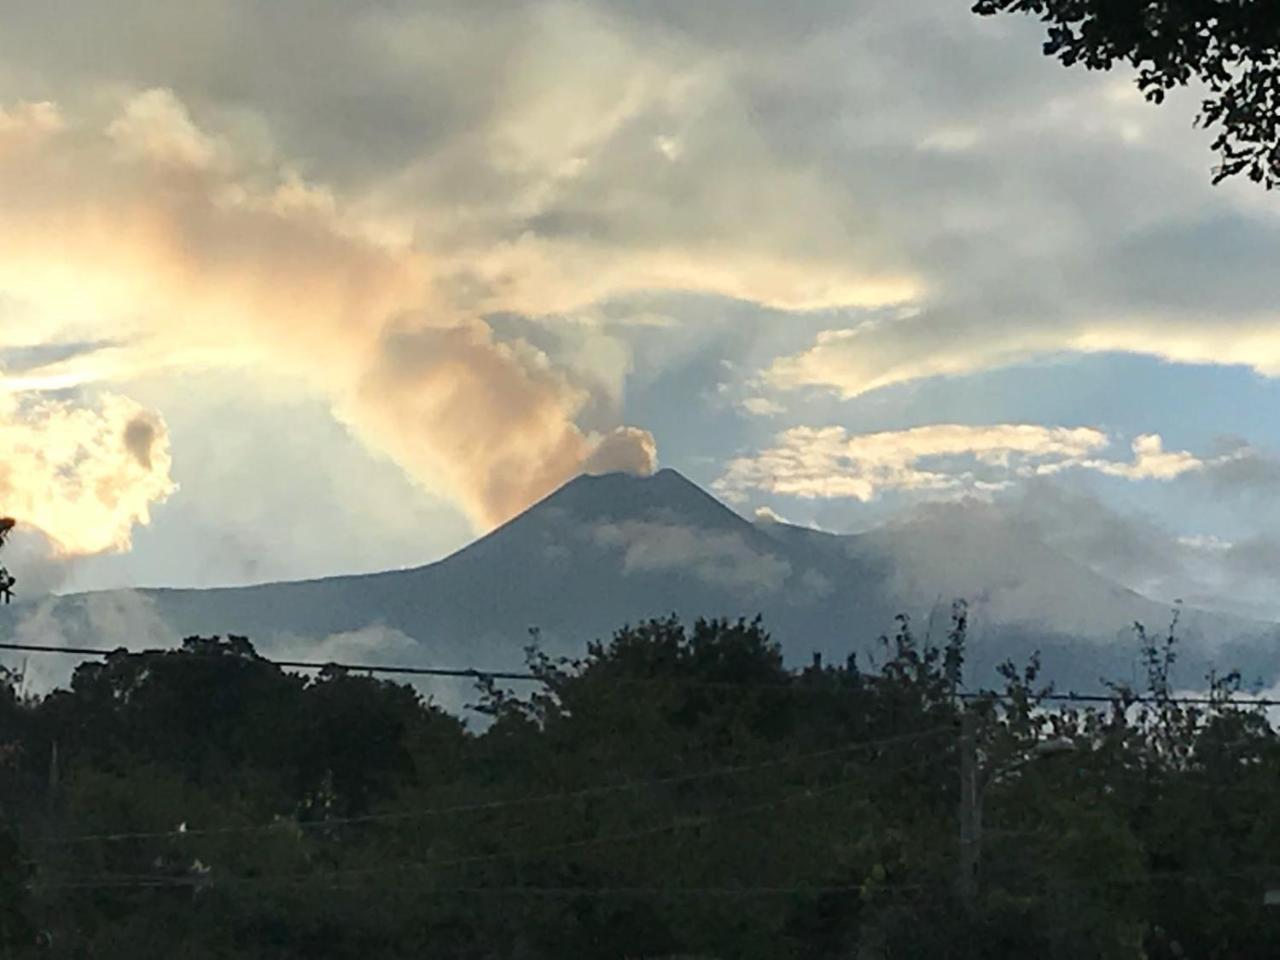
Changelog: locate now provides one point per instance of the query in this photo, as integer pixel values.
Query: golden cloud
(151, 232)
(188, 249)
(83, 476)
(856, 361)
(830, 463)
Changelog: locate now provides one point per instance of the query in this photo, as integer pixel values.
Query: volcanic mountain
(607, 550)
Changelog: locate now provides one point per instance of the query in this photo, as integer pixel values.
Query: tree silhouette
(14, 926)
(1231, 46)
(6, 581)
(676, 791)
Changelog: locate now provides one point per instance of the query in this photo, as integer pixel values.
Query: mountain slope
(607, 550)
(597, 553)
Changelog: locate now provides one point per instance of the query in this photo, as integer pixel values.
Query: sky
(290, 289)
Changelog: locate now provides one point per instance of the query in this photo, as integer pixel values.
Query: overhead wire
(500, 804)
(723, 814)
(500, 675)
(478, 673)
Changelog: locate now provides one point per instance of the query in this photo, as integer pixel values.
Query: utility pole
(53, 770)
(973, 783)
(970, 811)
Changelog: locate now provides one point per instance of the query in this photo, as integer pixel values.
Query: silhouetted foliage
(677, 790)
(7, 581)
(1232, 47)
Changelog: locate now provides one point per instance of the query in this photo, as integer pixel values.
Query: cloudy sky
(292, 288)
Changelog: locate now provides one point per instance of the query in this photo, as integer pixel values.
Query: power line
(720, 816)
(128, 882)
(569, 892)
(476, 673)
(585, 793)
(459, 673)
(1144, 699)
(334, 878)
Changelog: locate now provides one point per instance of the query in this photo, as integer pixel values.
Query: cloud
(1142, 551)
(274, 487)
(722, 559)
(626, 450)
(954, 341)
(155, 126)
(816, 463)
(762, 407)
(447, 162)
(29, 122)
(375, 644)
(520, 154)
(195, 257)
(992, 557)
(118, 619)
(1244, 472)
(17, 360)
(492, 418)
(84, 476)
(140, 436)
(125, 618)
(1130, 546)
(378, 645)
(769, 515)
(1150, 462)
(37, 563)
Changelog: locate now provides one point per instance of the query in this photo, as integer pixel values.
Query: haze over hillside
(606, 550)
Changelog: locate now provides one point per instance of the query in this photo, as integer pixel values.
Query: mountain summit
(594, 500)
(612, 549)
(624, 496)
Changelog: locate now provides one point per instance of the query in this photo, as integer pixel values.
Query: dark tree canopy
(676, 791)
(1231, 46)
